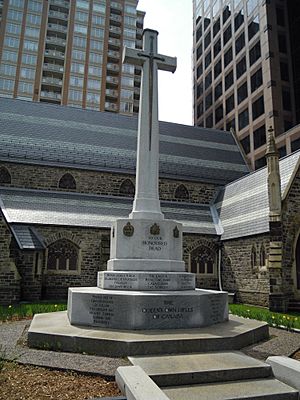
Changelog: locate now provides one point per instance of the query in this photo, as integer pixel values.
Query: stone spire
(274, 183)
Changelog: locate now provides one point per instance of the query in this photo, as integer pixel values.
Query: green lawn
(27, 310)
(290, 320)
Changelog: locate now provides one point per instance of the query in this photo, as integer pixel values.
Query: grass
(27, 310)
(289, 321)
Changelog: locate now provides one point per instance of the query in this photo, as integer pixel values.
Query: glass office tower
(246, 71)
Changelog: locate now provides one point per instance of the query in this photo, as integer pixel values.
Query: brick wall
(101, 183)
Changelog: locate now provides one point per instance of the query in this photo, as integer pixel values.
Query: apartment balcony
(113, 67)
(57, 28)
(112, 93)
(115, 19)
(112, 80)
(56, 41)
(58, 15)
(111, 106)
(114, 43)
(55, 54)
(114, 30)
(114, 55)
(116, 6)
(50, 95)
(60, 3)
(53, 67)
(48, 80)
(136, 103)
(137, 91)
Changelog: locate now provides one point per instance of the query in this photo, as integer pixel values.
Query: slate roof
(64, 136)
(36, 207)
(27, 237)
(243, 206)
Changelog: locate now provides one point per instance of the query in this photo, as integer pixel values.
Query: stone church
(67, 173)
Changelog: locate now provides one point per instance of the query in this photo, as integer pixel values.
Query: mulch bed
(24, 382)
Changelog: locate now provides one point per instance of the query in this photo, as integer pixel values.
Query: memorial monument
(145, 285)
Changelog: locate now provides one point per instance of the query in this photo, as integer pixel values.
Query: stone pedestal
(130, 310)
(146, 245)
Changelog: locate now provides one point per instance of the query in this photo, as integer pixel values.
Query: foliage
(289, 321)
(27, 310)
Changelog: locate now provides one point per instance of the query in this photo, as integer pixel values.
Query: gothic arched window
(67, 181)
(62, 256)
(127, 188)
(203, 260)
(4, 175)
(262, 256)
(253, 257)
(181, 193)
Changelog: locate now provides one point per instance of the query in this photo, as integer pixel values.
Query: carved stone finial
(271, 145)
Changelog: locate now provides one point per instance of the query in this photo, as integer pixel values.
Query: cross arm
(166, 63)
(132, 56)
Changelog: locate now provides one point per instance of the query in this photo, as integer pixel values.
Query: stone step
(187, 369)
(252, 389)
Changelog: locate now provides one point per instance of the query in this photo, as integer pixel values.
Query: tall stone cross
(146, 202)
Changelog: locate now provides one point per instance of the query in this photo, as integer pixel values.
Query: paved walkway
(13, 336)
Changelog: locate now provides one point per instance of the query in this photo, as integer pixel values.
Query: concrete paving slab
(253, 389)
(54, 331)
(184, 369)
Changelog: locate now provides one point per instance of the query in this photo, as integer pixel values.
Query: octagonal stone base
(131, 310)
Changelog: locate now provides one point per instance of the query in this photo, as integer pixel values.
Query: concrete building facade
(70, 52)
(246, 74)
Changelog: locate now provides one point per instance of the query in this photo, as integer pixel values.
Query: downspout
(219, 267)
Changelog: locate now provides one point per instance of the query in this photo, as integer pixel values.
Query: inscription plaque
(120, 280)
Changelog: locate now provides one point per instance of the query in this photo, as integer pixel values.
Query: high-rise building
(246, 71)
(70, 52)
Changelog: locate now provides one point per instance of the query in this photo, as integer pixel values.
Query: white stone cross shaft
(146, 202)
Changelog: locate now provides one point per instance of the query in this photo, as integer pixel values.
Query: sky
(173, 19)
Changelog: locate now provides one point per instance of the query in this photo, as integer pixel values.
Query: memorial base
(132, 310)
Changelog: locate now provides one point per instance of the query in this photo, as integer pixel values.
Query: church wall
(100, 183)
(9, 277)
(290, 232)
(93, 253)
(192, 242)
(29, 264)
(248, 280)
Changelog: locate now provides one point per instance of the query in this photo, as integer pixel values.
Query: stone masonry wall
(192, 242)
(290, 232)
(93, 256)
(94, 182)
(250, 285)
(9, 277)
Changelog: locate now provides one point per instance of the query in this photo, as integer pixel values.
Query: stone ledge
(135, 384)
(286, 370)
(53, 331)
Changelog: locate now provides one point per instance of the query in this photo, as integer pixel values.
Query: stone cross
(146, 202)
